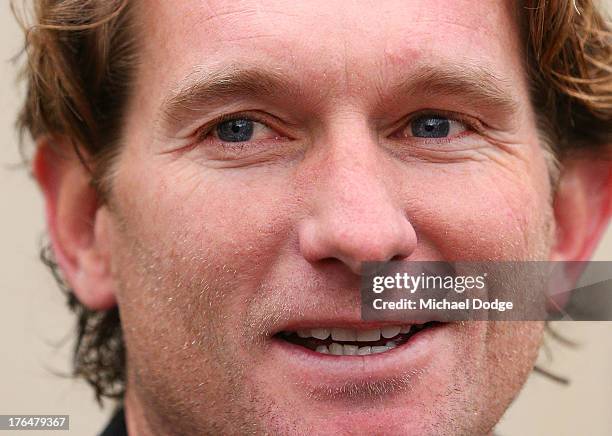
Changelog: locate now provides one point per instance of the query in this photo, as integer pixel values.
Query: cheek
(182, 243)
(512, 350)
(199, 242)
(478, 211)
(220, 216)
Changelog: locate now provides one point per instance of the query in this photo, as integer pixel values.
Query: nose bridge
(354, 187)
(352, 166)
(355, 217)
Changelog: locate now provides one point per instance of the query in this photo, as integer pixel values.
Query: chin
(343, 377)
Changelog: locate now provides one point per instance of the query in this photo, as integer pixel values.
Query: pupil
(235, 130)
(430, 127)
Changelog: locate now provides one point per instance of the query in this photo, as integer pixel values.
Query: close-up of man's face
(268, 150)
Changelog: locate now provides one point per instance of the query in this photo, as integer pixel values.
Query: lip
(346, 324)
(317, 368)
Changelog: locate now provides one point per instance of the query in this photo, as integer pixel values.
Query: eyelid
(470, 122)
(208, 128)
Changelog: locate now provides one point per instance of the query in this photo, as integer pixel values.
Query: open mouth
(353, 342)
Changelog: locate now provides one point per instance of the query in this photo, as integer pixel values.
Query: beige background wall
(35, 326)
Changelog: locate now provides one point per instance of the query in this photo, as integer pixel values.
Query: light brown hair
(82, 54)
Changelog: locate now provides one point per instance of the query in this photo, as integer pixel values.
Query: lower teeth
(352, 350)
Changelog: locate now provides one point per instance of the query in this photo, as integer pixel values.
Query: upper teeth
(343, 334)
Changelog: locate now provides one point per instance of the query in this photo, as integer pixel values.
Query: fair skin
(211, 248)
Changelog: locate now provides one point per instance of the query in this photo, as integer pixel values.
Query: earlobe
(76, 224)
(582, 208)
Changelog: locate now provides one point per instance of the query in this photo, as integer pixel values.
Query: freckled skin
(207, 257)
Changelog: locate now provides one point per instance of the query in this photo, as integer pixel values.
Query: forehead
(347, 44)
(213, 24)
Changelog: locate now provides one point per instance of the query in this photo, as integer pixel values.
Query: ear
(582, 208)
(77, 223)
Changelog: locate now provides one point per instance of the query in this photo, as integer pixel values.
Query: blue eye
(238, 130)
(430, 126)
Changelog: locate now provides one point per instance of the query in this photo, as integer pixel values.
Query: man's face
(362, 131)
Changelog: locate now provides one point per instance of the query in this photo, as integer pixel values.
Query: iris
(430, 127)
(238, 130)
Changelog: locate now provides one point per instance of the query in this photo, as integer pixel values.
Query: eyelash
(471, 124)
(208, 128)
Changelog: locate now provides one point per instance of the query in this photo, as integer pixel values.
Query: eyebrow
(476, 83)
(202, 88)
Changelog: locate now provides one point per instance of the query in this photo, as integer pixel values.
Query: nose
(355, 218)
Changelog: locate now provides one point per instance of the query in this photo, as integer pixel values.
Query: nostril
(398, 258)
